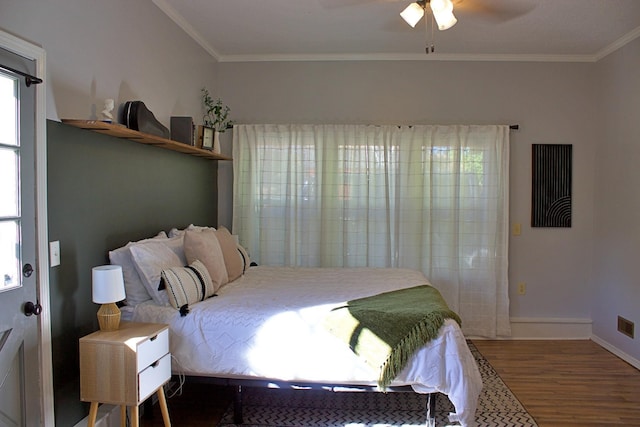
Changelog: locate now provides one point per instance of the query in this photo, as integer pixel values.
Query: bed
(267, 326)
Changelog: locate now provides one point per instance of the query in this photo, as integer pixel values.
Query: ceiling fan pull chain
(429, 47)
(426, 33)
(433, 30)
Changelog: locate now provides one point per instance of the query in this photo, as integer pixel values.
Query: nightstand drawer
(153, 377)
(152, 349)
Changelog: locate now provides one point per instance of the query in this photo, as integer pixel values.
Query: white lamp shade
(443, 13)
(107, 284)
(412, 14)
(441, 6)
(445, 21)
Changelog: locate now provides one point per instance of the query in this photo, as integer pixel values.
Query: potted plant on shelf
(217, 114)
(216, 117)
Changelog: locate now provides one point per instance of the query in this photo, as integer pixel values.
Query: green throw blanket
(385, 330)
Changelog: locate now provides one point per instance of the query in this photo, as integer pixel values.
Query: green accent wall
(102, 193)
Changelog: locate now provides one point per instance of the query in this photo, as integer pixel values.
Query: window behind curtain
(431, 198)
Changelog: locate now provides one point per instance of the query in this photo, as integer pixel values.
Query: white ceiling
(532, 30)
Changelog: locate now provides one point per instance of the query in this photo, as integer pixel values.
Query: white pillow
(134, 288)
(176, 244)
(150, 259)
(176, 232)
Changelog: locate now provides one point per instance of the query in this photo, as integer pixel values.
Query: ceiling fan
(442, 12)
(494, 11)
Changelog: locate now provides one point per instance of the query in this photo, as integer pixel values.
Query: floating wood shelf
(120, 131)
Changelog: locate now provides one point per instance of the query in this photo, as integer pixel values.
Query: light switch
(517, 228)
(54, 253)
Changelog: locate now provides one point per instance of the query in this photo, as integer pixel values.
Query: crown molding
(627, 38)
(406, 57)
(186, 27)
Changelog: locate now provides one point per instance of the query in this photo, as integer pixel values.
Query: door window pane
(8, 111)
(9, 185)
(9, 260)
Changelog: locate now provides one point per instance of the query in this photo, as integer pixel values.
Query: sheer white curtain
(431, 198)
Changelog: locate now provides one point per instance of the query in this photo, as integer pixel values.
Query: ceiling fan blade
(495, 10)
(332, 4)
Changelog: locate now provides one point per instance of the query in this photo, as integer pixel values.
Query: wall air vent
(625, 326)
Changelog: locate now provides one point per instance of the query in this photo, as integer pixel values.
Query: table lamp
(108, 288)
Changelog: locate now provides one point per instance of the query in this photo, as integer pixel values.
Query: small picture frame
(205, 137)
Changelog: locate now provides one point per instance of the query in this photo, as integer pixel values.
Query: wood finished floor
(560, 383)
(567, 383)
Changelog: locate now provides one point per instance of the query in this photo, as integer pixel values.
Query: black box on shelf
(182, 130)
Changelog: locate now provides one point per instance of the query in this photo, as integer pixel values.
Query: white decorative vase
(216, 142)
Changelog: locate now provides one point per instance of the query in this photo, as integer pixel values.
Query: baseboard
(621, 354)
(533, 328)
(108, 416)
(542, 328)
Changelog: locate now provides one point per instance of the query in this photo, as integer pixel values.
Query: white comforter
(267, 324)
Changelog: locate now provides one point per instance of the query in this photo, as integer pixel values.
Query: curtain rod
(511, 127)
(28, 78)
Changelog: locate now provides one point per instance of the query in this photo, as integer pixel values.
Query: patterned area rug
(497, 407)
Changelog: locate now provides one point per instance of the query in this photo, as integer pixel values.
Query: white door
(19, 351)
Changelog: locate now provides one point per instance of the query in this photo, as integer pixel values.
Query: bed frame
(239, 384)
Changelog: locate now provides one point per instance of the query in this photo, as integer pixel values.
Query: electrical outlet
(522, 288)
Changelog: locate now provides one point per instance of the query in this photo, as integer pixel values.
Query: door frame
(38, 55)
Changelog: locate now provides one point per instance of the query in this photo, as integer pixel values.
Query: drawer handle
(155, 364)
(153, 338)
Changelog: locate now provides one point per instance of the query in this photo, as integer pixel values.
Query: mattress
(268, 325)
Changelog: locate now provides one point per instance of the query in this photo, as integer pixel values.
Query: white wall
(617, 201)
(120, 49)
(552, 103)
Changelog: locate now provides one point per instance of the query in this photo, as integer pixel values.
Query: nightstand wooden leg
(162, 401)
(135, 417)
(123, 415)
(93, 413)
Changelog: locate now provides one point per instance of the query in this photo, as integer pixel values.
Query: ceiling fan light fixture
(443, 13)
(412, 14)
(445, 21)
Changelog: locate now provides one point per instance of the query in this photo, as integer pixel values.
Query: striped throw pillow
(187, 285)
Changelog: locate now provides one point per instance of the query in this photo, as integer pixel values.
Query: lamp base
(109, 317)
